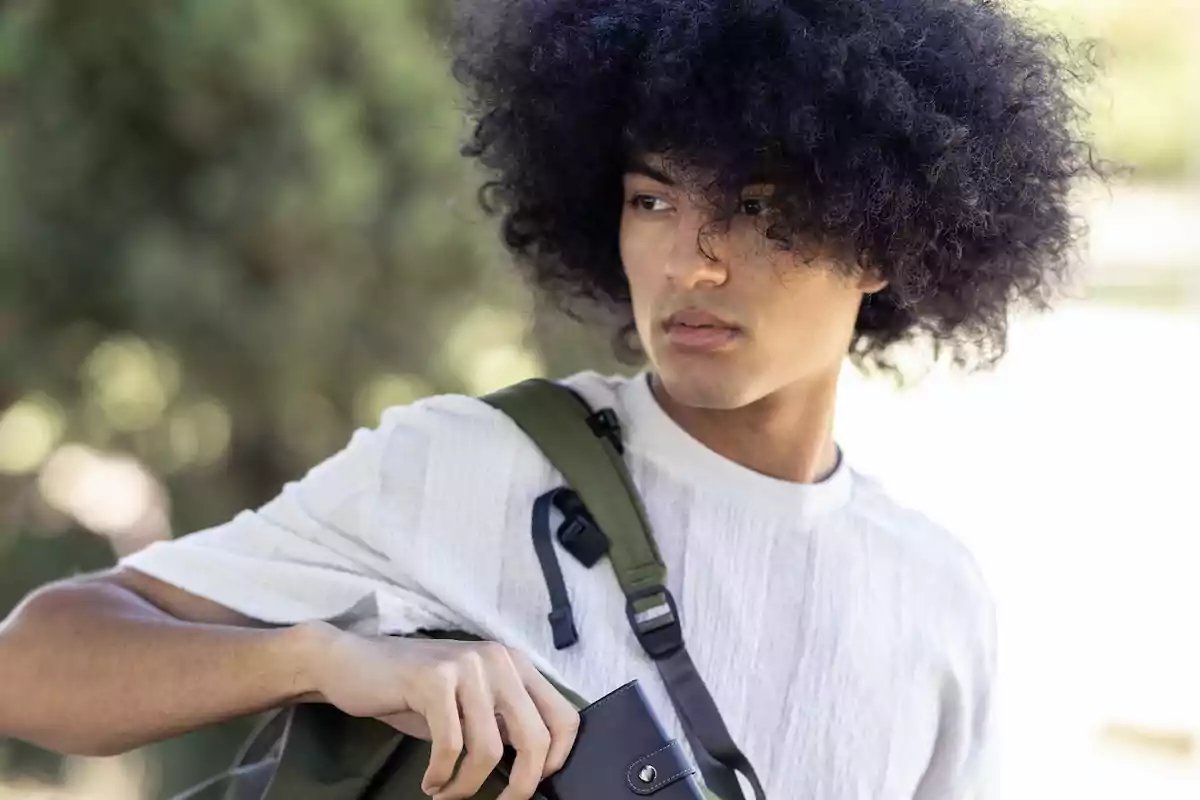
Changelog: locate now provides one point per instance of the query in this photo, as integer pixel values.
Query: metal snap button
(648, 774)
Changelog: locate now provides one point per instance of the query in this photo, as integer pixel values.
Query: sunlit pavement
(1073, 473)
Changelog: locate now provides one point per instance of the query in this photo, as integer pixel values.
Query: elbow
(31, 698)
(51, 600)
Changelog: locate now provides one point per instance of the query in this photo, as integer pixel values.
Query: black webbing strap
(562, 621)
(588, 455)
(657, 627)
(715, 747)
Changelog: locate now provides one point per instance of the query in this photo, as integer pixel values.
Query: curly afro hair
(935, 141)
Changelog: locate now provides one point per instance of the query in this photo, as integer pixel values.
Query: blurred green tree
(1145, 105)
(230, 232)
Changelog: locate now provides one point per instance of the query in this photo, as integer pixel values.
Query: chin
(708, 388)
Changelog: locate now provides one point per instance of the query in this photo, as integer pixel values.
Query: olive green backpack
(316, 752)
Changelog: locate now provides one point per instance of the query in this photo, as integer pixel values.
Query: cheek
(808, 304)
(638, 259)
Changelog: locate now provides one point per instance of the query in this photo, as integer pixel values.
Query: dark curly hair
(936, 141)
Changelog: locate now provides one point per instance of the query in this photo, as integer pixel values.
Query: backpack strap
(585, 447)
(557, 420)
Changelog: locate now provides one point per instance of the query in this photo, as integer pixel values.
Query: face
(725, 315)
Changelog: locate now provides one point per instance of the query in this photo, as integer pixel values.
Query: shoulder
(951, 610)
(598, 389)
(917, 537)
(937, 563)
(451, 413)
(463, 431)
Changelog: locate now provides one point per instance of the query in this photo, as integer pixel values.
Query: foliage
(230, 232)
(1146, 108)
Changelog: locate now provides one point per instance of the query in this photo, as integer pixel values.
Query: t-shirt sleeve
(965, 760)
(327, 546)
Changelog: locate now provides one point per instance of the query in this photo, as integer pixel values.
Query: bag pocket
(622, 752)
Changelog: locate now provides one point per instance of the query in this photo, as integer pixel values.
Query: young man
(762, 187)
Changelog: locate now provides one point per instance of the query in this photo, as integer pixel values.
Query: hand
(480, 695)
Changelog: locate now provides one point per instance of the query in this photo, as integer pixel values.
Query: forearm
(92, 668)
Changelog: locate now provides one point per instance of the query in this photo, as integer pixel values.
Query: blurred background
(231, 231)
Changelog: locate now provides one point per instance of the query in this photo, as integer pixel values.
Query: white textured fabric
(848, 642)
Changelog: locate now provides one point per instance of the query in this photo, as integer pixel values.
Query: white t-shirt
(848, 642)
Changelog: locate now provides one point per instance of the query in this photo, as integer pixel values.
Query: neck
(786, 435)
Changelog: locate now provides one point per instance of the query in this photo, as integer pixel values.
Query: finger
(481, 734)
(559, 715)
(410, 723)
(527, 732)
(446, 734)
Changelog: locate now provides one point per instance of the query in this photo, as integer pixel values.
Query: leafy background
(233, 231)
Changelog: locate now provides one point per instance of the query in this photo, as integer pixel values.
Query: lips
(700, 331)
(699, 319)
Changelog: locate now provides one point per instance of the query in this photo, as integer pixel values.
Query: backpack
(317, 752)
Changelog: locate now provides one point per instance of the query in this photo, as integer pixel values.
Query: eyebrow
(637, 166)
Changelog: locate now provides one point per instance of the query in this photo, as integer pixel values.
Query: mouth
(700, 331)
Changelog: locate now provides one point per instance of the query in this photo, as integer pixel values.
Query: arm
(103, 664)
(100, 665)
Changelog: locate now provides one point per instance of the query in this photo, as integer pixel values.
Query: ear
(870, 282)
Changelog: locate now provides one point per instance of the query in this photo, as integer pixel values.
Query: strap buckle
(579, 534)
(656, 624)
(605, 424)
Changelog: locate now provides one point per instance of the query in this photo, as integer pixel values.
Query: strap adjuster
(656, 625)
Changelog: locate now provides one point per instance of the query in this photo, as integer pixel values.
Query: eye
(754, 206)
(649, 203)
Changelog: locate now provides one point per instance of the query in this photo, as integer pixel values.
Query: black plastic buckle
(562, 625)
(579, 534)
(607, 425)
(661, 637)
(581, 538)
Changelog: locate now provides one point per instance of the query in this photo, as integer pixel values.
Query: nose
(699, 252)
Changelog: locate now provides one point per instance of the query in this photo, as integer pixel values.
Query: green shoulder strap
(556, 421)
